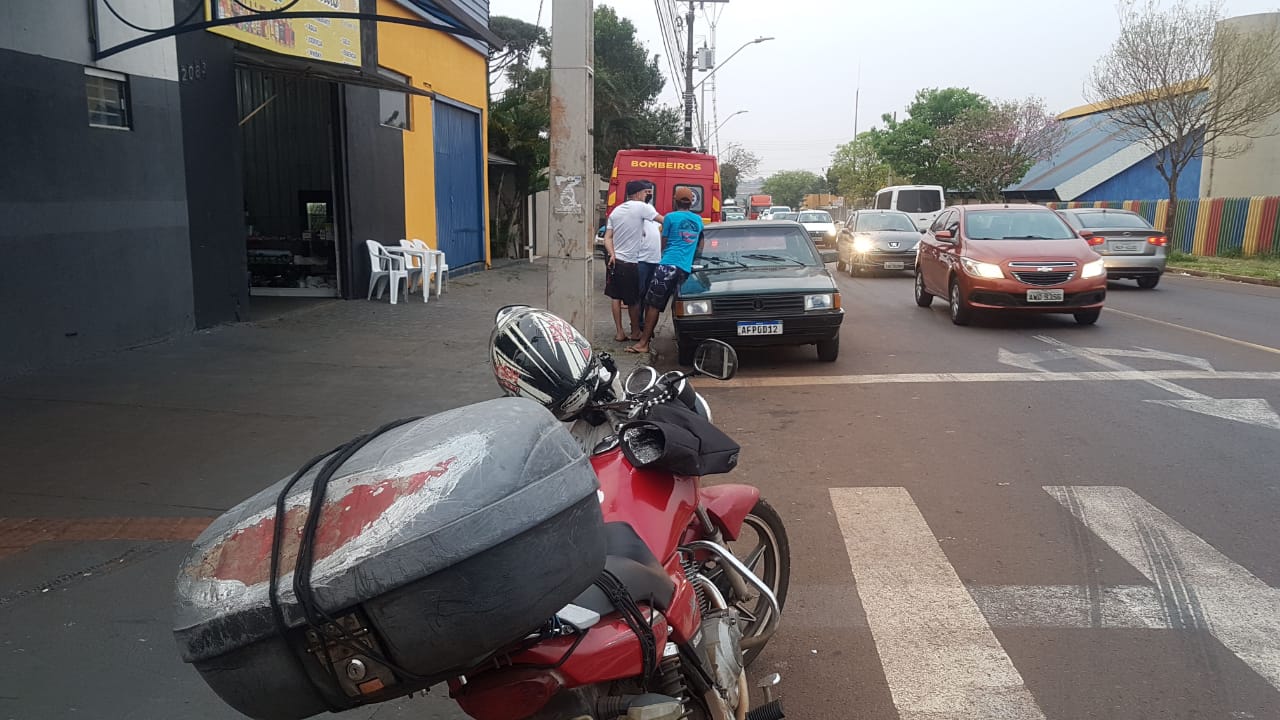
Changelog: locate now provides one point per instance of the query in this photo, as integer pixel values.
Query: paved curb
(1224, 276)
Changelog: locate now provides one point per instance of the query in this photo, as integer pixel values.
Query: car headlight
(825, 301)
(1094, 269)
(694, 307)
(981, 269)
(862, 244)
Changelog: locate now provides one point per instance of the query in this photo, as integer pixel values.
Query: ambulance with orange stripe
(669, 168)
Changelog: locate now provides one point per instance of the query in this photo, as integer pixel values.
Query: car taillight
(1159, 241)
(1093, 239)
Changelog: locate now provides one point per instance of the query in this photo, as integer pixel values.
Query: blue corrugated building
(1097, 162)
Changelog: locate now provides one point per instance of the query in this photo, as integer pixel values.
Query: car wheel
(961, 313)
(1149, 282)
(923, 298)
(829, 350)
(1088, 317)
(685, 348)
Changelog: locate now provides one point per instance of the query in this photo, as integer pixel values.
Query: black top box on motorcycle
(439, 543)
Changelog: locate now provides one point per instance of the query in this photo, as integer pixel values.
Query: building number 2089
(193, 71)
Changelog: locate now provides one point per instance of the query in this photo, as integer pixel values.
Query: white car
(819, 225)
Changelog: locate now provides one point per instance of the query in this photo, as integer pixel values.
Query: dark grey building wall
(215, 184)
(94, 252)
(373, 161)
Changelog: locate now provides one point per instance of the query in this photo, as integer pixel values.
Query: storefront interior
(288, 132)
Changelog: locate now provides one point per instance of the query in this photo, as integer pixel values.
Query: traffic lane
(885, 332)
(1237, 310)
(979, 486)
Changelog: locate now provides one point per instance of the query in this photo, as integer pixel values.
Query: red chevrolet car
(1009, 258)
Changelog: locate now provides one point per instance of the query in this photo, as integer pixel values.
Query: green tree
(909, 147)
(857, 170)
(994, 148)
(520, 40)
(789, 187)
(628, 81)
(736, 162)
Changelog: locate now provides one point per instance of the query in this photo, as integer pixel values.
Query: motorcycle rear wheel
(763, 547)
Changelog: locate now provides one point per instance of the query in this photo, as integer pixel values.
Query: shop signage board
(327, 39)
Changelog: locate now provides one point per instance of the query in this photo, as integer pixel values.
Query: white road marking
(1072, 606)
(939, 655)
(1251, 411)
(992, 377)
(1200, 587)
(1117, 366)
(1034, 360)
(1205, 333)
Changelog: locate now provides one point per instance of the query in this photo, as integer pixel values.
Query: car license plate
(894, 266)
(1044, 296)
(769, 327)
(1125, 247)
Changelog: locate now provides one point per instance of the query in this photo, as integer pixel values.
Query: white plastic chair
(439, 266)
(385, 266)
(417, 263)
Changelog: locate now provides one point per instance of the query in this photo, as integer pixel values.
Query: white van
(921, 202)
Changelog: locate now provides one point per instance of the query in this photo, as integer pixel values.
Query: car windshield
(873, 222)
(1015, 225)
(919, 201)
(783, 216)
(726, 248)
(1113, 220)
(815, 217)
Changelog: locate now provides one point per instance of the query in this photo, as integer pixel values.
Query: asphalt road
(1099, 541)
(1020, 519)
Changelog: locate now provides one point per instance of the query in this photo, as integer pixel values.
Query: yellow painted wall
(437, 62)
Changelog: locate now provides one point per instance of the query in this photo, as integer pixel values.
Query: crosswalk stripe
(1200, 587)
(1131, 607)
(939, 655)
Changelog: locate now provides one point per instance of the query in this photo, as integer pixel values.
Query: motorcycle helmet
(542, 357)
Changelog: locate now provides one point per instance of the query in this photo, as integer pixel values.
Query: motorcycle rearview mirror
(716, 359)
(640, 381)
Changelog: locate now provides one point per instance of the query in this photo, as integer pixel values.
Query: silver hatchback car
(1130, 247)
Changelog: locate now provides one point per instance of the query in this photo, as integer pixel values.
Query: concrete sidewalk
(112, 466)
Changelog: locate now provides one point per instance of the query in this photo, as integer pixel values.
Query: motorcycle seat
(630, 560)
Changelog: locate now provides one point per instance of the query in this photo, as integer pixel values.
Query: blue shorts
(666, 280)
(645, 270)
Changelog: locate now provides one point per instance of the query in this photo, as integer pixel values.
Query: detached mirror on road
(829, 256)
(716, 359)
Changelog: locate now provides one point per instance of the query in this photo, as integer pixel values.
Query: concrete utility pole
(572, 176)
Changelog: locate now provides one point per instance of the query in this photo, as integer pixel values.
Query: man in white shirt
(625, 242)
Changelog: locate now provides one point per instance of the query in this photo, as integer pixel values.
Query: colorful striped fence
(1208, 226)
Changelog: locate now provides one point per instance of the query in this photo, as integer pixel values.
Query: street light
(726, 60)
(716, 133)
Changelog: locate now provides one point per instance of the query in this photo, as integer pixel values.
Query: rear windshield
(783, 216)
(815, 217)
(1015, 225)
(1113, 220)
(919, 201)
(725, 248)
(871, 222)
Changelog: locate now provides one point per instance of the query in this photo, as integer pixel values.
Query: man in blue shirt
(681, 232)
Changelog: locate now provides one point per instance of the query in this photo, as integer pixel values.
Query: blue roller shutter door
(459, 184)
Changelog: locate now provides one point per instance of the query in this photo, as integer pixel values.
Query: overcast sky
(798, 90)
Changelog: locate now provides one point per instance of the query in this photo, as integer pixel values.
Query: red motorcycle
(703, 577)
(482, 549)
